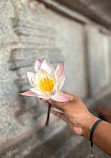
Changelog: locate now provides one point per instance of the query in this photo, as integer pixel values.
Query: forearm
(101, 135)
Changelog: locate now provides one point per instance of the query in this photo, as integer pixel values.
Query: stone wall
(33, 29)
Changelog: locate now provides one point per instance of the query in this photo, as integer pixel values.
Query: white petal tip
(29, 94)
(37, 64)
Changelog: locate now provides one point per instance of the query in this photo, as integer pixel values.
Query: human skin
(80, 120)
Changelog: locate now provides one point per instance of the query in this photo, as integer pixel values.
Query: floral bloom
(46, 82)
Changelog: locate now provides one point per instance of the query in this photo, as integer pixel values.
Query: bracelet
(92, 130)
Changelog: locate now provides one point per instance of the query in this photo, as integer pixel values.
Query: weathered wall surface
(98, 59)
(97, 10)
(30, 30)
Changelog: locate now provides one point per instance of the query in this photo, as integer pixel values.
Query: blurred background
(76, 32)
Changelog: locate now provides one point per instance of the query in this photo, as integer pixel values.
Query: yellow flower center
(46, 84)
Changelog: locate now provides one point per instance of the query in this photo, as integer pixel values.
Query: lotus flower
(46, 82)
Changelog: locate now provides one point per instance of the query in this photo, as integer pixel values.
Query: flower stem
(48, 114)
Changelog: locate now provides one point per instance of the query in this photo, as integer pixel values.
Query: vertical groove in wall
(86, 61)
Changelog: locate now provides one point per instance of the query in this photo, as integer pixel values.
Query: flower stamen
(46, 84)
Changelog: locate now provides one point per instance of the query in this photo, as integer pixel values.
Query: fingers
(62, 105)
(51, 105)
(62, 116)
(59, 114)
(58, 105)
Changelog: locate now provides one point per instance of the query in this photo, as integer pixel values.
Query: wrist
(91, 119)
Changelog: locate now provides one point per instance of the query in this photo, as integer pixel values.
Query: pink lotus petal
(30, 75)
(60, 97)
(62, 83)
(29, 93)
(60, 70)
(46, 66)
(37, 64)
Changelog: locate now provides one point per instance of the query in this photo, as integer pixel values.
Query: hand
(75, 114)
